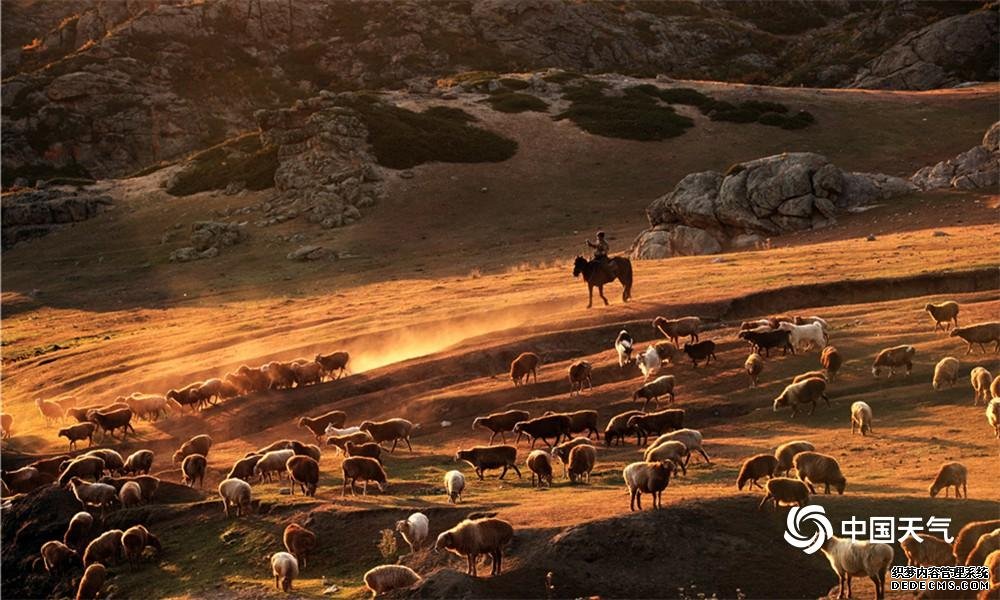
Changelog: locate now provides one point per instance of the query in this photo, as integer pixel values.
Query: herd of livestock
(100, 479)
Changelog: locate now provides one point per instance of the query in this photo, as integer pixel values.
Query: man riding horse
(600, 247)
(602, 270)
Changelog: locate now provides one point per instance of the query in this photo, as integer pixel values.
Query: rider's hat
(600, 234)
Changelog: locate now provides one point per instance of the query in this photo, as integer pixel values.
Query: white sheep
(691, 438)
(93, 494)
(414, 530)
(945, 371)
(338, 431)
(852, 559)
(753, 366)
(993, 416)
(806, 337)
(454, 484)
(861, 418)
(130, 494)
(272, 462)
(386, 578)
(981, 380)
(623, 346)
(285, 569)
(235, 492)
(649, 362)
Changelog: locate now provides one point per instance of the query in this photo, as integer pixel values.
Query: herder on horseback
(603, 269)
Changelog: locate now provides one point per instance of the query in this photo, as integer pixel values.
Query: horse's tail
(626, 279)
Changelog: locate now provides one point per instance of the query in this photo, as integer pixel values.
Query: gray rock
(306, 253)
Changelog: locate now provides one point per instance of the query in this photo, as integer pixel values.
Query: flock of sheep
(115, 480)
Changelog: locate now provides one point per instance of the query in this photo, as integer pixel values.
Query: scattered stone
(407, 174)
(940, 234)
(976, 168)
(871, 237)
(32, 213)
(307, 253)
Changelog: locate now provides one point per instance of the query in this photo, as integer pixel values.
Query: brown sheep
(148, 484)
(243, 468)
(950, 475)
(483, 458)
(140, 461)
(814, 468)
(995, 387)
(307, 373)
(370, 449)
(945, 312)
(113, 462)
(674, 451)
(79, 413)
(24, 480)
(544, 427)
(809, 375)
(193, 469)
(317, 425)
(109, 421)
(130, 494)
(299, 541)
(186, 396)
(83, 467)
(522, 367)
(562, 450)
(386, 578)
(199, 444)
(105, 549)
(969, 535)
(786, 452)
(897, 356)
(278, 445)
(304, 471)
(57, 556)
(782, 490)
(134, 542)
(51, 466)
(674, 329)
(755, 467)
(930, 551)
(808, 391)
(582, 459)
(754, 365)
(579, 374)
(581, 421)
(334, 362)
(981, 380)
(831, 360)
(341, 441)
(987, 543)
(279, 375)
(80, 431)
(702, 351)
(500, 423)
(655, 423)
(50, 411)
(366, 469)
(6, 425)
(472, 538)
(389, 430)
(539, 462)
(647, 477)
(618, 427)
(210, 389)
(310, 450)
(91, 582)
(651, 392)
(80, 531)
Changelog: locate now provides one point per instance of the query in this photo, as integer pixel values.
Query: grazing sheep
(317, 425)
(369, 449)
(57, 555)
(623, 346)
(299, 541)
(235, 492)
(285, 569)
(91, 582)
(945, 312)
(208, 390)
(783, 490)
(995, 387)
(51, 466)
(23, 480)
(140, 461)
(454, 485)
(701, 351)
(945, 371)
(484, 458)
(50, 411)
(853, 559)
(113, 462)
(993, 416)
(580, 421)
(79, 413)
(93, 494)
(755, 467)
(147, 406)
(105, 548)
(803, 392)
(674, 329)
(671, 450)
(618, 427)
(186, 396)
(786, 452)
(897, 356)
(562, 450)
(414, 530)
(987, 543)
(951, 474)
(544, 427)
(366, 469)
(307, 373)
(810, 320)
(272, 462)
(980, 333)
(147, 485)
(130, 495)
(334, 362)
(134, 541)
(303, 470)
(657, 422)
(930, 551)
(582, 459)
(691, 438)
(310, 450)
(280, 375)
(831, 360)
(500, 422)
(649, 362)
(387, 578)
(84, 466)
(753, 366)
(390, 430)
(243, 468)
(79, 531)
(278, 445)
(969, 535)
(522, 367)
(861, 418)
(199, 444)
(815, 468)
(539, 462)
(470, 538)
(763, 341)
(809, 375)
(806, 337)
(647, 477)
(6, 425)
(980, 379)
(341, 441)
(80, 431)
(651, 392)
(193, 469)
(579, 374)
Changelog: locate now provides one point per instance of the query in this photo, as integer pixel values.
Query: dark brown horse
(597, 274)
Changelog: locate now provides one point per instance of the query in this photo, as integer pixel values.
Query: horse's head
(579, 266)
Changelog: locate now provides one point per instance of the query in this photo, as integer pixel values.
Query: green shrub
(239, 159)
(401, 138)
(634, 116)
(513, 102)
(562, 77)
(772, 118)
(684, 96)
(514, 84)
(799, 120)
(736, 115)
(449, 112)
(763, 106)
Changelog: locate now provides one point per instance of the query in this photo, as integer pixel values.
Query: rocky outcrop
(207, 240)
(325, 171)
(35, 212)
(708, 212)
(951, 51)
(976, 168)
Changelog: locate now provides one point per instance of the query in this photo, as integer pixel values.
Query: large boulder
(976, 168)
(33, 213)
